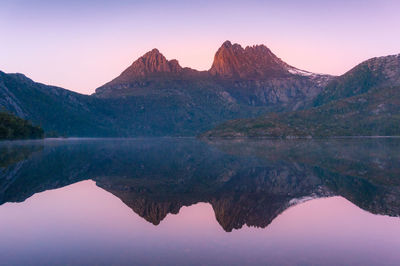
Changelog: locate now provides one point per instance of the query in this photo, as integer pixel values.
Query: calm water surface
(184, 201)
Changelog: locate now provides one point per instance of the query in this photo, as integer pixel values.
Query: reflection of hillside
(373, 159)
(12, 159)
(343, 165)
(12, 154)
(246, 182)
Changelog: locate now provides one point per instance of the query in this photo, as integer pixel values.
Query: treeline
(13, 127)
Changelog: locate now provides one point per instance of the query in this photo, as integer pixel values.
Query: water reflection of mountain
(246, 182)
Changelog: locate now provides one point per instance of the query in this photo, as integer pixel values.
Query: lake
(183, 201)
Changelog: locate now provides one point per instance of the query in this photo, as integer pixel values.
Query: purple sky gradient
(80, 45)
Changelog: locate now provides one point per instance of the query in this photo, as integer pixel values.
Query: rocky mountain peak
(227, 43)
(234, 61)
(231, 62)
(152, 63)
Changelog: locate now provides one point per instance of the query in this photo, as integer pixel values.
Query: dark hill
(378, 72)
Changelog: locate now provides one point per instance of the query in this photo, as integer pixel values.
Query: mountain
(53, 108)
(251, 76)
(150, 63)
(253, 62)
(155, 114)
(157, 97)
(363, 102)
(378, 72)
(152, 66)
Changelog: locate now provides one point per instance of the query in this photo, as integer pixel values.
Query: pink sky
(80, 45)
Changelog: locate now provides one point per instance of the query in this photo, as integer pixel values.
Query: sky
(80, 45)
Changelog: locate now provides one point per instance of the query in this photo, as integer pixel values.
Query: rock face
(253, 62)
(231, 61)
(151, 64)
(251, 76)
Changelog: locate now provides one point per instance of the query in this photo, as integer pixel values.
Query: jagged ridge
(231, 62)
(252, 62)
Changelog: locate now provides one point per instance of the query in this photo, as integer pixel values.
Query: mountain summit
(252, 62)
(151, 64)
(231, 61)
(250, 76)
